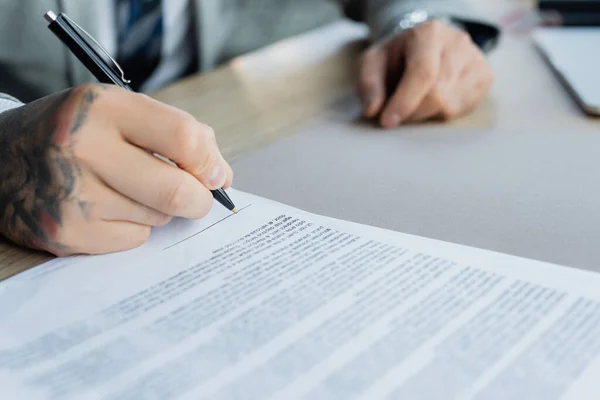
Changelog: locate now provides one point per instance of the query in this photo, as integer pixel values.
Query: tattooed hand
(77, 174)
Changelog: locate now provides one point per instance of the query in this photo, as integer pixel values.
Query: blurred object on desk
(572, 52)
(572, 12)
(529, 15)
(523, 21)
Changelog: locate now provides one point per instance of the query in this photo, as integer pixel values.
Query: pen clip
(115, 67)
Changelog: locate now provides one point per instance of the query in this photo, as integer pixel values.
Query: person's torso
(34, 63)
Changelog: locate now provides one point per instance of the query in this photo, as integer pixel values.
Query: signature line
(207, 228)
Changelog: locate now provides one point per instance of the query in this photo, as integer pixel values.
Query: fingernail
(391, 120)
(217, 177)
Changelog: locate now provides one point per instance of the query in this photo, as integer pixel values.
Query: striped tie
(140, 29)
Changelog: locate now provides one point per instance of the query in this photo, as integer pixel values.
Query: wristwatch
(485, 35)
(416, 17)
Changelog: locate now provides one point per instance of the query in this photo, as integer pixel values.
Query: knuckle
(206, 150)
(207, 133)
(205, 163)
(185, 135)
(433, 27)
(193, 139)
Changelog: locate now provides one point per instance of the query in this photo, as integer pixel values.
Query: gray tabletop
(530, 194)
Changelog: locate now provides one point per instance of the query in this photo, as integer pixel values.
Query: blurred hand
(77, 174)
(443, 75)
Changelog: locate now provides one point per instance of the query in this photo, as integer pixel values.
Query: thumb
(371, 80)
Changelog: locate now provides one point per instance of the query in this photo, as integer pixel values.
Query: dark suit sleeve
(383, 17)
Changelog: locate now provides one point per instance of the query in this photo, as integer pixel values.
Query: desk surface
(261, 97)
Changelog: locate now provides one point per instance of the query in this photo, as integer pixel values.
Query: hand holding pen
(76, 40)
(83, 179)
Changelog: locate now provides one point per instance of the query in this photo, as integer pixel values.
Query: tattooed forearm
(39, 172)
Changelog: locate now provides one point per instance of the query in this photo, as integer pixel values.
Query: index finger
(174, 134)
(421, 70)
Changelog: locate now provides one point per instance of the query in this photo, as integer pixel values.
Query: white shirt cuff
(8, 103)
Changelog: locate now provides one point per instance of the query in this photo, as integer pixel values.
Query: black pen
(69, 33)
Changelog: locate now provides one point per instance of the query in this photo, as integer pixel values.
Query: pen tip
(235, 211)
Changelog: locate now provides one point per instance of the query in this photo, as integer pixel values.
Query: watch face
(414, 18)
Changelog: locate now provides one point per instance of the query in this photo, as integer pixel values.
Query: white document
(276, 303)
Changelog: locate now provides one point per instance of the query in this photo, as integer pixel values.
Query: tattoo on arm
(39, 172)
